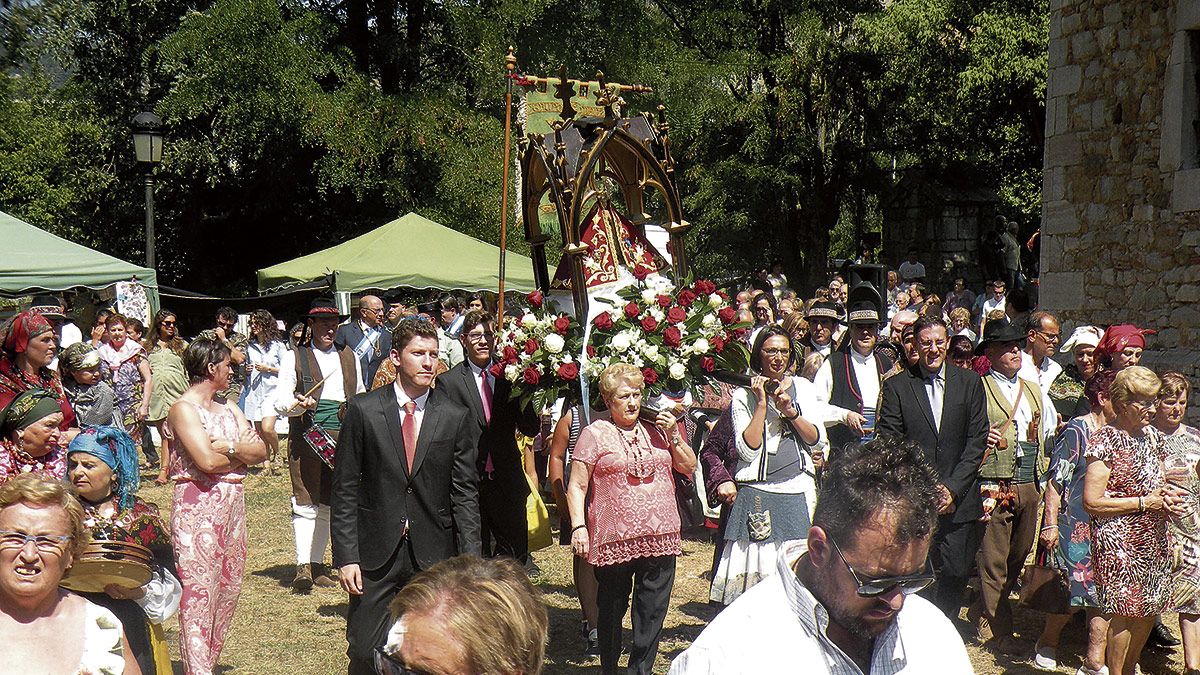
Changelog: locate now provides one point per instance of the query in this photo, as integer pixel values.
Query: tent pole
(510, 65)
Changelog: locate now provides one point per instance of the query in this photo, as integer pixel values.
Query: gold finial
(510, 61)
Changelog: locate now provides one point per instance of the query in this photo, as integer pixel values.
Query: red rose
(723, 295)
(676, 314)
(591, 352)
(531, 375)
(727, 315)
(718, 344)
(568, 371)
(740, 333)
(649, 375)
(497, 370)
(704, 287)
(561, 324)
(640, 272)
(509, 355)
(649, 324)
(535, 299)
(686, 297)
(672, 337)
(531, 346)
(603, 321)
(631, 310)
(708, 363)
(664, 301)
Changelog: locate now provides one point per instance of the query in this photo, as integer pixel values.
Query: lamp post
(147, 143)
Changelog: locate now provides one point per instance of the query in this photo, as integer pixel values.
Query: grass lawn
(276, 632)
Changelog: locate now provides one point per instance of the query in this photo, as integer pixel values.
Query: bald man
(367, 337)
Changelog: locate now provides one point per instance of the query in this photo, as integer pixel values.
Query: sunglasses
(386, 664)
(873, 587)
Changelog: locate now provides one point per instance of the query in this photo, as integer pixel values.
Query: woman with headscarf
(1122, 346)
(103, 467)
(30, 438)
(28, 350)
(1066, 391)
(125, 366)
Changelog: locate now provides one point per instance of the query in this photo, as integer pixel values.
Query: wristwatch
(231, 452)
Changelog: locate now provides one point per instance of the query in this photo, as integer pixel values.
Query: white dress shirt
(330, 364)
(402, 399)
(1024, 414)
(1043, 376)
(778, 626)
(865, 373)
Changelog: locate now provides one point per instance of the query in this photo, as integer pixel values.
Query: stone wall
(1121, 188)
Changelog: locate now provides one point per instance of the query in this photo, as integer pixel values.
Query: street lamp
(147, 143)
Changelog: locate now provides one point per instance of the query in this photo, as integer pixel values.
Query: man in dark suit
(405, 488)
(366, 337)
(495, 419)
(942, 408)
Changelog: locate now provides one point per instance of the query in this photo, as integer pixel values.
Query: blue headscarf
(115, 448)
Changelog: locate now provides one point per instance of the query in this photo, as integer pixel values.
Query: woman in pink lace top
(623, 515)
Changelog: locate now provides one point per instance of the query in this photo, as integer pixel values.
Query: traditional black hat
(47, 305)
(823, 309)
(999, 331)
(325, 308)
(863, 311)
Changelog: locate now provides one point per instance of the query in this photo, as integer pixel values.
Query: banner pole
(510, 66)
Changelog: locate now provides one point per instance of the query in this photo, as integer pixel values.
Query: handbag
(1045, 588)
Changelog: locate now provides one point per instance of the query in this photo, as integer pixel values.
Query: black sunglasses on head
(386, 664)
(869, 587)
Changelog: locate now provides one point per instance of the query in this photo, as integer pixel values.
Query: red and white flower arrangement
(539, 353)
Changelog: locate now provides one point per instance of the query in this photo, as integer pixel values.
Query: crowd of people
(892, 456)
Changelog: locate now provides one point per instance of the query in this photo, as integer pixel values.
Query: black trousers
(650, 580)
(503, 526)
(368, 620)
(953, 556)
(148, 448)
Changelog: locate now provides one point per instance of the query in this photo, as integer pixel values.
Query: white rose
(650, 351)
(715, 301)
(615, 314)
(677, 371)
(620, 342)
(709, 320)
(555, 343)
(511, 372)
(700, 346)
(649, 295)
(657, 313)
(529, 321)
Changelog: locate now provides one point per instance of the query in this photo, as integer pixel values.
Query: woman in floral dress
(124, 365)
(1125, 492)
(1183, 453)
(1067, 530)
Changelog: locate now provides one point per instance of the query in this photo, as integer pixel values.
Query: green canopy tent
(411, 251)
(36, 261)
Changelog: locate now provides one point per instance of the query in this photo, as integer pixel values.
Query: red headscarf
(23, 328)
(1118, 337)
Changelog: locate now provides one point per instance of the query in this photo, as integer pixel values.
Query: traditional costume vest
(847, 394)
(1004, 463)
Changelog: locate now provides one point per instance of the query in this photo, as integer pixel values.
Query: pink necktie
(409, 430)
(488, 467)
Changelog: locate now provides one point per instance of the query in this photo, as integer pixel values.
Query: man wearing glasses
(843, 601)
(495, 419)
(942, 408)
(1042, 337)
(225, 332)
(367, 337)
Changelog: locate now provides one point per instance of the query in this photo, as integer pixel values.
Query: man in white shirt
(1042, 335)
(1021, 425)
(849, 379)
(823, 318)
(996, 301)
(911, 270)
(315, 381)
(844, 600)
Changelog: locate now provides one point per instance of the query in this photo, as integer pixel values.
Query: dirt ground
(276, 632)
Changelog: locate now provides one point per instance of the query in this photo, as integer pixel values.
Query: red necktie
(487, 397)
(409, 429)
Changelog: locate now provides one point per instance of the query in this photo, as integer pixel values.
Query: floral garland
(677, 336)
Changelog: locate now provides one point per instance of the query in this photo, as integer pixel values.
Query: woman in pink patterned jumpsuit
(208, 521)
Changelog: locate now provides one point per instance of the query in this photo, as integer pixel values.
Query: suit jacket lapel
(918, 385)
(472, 391)
(429, 430)
(391, 419)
